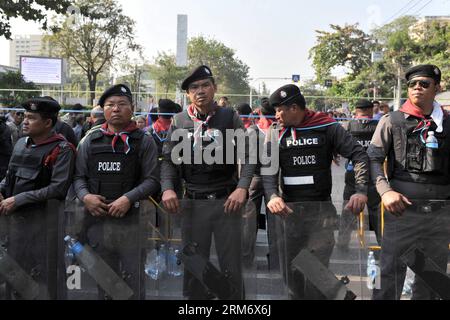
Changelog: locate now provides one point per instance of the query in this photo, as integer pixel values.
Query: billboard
(42, 70)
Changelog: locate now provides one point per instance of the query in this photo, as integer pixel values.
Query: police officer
(116, 167)
(40, 170)
(6, 146)
(202, 120)
(362, 128)
(307, 142)
(16, 126)
(416, 175)
(97, 119)
(245, 111)
(160, 128)
(253, 217)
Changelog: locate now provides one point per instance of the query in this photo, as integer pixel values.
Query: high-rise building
(27, 45)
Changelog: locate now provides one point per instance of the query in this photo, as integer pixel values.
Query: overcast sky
(272, 37)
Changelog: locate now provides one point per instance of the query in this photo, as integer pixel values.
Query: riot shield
(414, 255)
(209, 251)
(312, 267)
(28, 253)
(104, 256)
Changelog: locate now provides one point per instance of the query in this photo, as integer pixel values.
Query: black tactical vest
(26, 169)
(204, 173)
(159, 138)
(411, 160)
(5, 148)
(306, 166)
(112, 174)
(362, 131)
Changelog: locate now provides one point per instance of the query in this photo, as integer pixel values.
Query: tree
(167, 73)
(346, 46)
(34, 10)
(96, 39)
(399, 48)
(14, 80)
(403, 42)
(230, 72)
(433, 41)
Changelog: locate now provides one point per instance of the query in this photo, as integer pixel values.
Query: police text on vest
(109, 166)
(305, 160)
(303, 142)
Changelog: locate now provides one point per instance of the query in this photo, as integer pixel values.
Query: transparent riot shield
(104, 256)
(209, 253)
(414, 254)
(28, 252)
(312, 266)
(260, 254)
(163, 268)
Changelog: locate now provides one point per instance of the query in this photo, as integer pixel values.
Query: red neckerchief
(364, 117)
(247, 122)
(162, 125)
(425, 124)
(54, 138)
(199, 125)
(264, 124)
(312, 120)
(124, 135)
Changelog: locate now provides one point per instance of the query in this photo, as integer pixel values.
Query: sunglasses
(423, 83)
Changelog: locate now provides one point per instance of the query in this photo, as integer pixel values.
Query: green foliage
(15, 80)
(168, 75)
(34, 10)
(96, 38)
(345, 46)
(230, 72)
(404, 43)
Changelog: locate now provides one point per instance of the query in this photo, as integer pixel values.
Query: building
(26, 45)
(4, 69)
(417, 31)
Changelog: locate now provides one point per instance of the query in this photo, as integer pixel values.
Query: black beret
(244, 109)
(179, 108)
(285, 95)
(202, 72)
(363, 104)
(266, 108)
(119, 90)
(167, 106)
(42, 105)
(424, 70)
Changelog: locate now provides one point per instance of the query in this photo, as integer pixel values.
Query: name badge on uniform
(298, 181)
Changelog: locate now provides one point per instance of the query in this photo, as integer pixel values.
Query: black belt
(219, 194)
(429, 207)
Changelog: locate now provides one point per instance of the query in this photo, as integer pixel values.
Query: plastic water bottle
(432, 141)
(99, 270)
(372, 271)
(156, 263)
(69, 257)
(151, 265)
(174, 267)
(162, 259)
